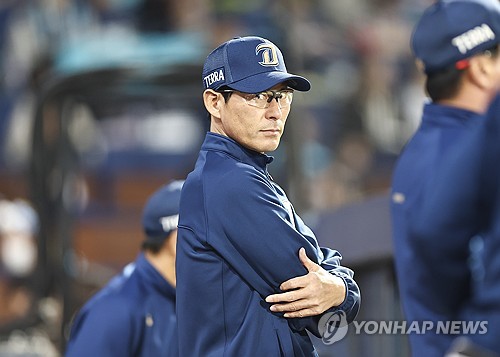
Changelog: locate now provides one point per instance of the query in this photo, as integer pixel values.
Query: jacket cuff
(352, 300)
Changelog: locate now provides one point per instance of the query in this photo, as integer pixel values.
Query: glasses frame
(271, 94)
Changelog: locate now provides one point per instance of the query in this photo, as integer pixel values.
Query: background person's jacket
(463, 203)
(238, 240)
(133, 315)
(443, 129)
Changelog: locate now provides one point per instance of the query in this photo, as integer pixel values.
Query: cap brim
(263, 81)
(158, 237)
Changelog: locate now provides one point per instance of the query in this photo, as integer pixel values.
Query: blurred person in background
(134, 314)
(457, 234)
(24, 324)
(456, 41)
(18, 252)
(262, 277)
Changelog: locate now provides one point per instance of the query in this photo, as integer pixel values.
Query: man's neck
(164, 263)
(470, 98)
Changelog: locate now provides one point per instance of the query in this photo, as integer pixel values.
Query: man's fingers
(294, 306)
(294, 283)
(301, 313)
(296, 309)
(302, 296)
(308, 263)
(285, 297)
(301, 281)
(291, 307)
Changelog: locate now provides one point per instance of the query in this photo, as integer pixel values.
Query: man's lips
(272, 131)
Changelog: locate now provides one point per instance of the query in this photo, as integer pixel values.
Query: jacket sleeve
(258, 237)
(331, 260)
(103, 329)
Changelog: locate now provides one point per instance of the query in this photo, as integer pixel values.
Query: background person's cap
(249, 64)
(453, 30)
(161, 212)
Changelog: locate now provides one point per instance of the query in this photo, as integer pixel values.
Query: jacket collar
(439, 113)
(217, 142)
(153, 277)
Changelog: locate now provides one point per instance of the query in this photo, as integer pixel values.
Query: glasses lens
(286, 98)
(263, 100)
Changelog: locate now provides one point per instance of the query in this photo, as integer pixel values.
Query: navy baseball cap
(250, 65)
(161, 212)
(453, 30)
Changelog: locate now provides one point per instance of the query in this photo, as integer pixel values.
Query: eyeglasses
(263, 100)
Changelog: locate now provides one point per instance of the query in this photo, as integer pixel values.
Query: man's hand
(310, 294)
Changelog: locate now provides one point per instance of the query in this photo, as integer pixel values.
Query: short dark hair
(226, 95)
(444, 84)
(152, 246)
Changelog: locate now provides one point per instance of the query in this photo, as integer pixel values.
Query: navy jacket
(442, 130)
(133, 315)
(238, 240)
(463, 203)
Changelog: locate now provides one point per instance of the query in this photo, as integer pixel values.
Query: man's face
(254, 128)
(496, 60)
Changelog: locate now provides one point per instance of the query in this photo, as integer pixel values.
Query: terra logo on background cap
(161, 212)
(452, 30)
(249, 64)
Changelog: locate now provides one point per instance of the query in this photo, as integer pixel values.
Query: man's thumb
(308, 263)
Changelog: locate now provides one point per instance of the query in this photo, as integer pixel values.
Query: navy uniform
(442, 129)
(239, 236)
(441, 39)
(134, 314)
(463, 203)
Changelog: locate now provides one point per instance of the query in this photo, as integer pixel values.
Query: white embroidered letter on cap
(215, 76)
(473, 38)
(269, 54)
(170, 222)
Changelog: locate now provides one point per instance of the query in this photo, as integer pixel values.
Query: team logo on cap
(213, 77)
(170, 222)
(269, 54)
(473, 38)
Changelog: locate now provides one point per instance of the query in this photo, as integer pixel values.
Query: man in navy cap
(252, 280)
(134, 314)
(456, 44)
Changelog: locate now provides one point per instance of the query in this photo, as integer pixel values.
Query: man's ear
(482, 71)
(212, 101)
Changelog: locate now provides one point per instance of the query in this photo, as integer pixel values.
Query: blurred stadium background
(100, 104)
